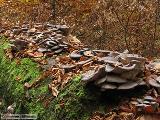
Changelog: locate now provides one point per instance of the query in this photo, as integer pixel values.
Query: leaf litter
(62, 56)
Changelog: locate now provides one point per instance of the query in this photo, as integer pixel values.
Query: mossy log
(74, 102)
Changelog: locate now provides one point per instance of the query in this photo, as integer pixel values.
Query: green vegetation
(13, 76)
(74, 102)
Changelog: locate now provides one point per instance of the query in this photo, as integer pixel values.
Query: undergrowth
(74, 102)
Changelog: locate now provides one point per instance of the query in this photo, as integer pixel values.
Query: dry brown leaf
(35, 54)
(9, 53)
(18, 78)
(55, 92)
(41, 61)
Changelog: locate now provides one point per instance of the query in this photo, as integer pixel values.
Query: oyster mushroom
(108, 86)
(64, 29)
(51, 43)
(109, 59)
(88, 76)
(84, 62)
(63, 45)
(58, 51)
(149, 98)
(115, 79)
(136, 57)
(42, 50)
(130, 74)
(101, 80)
(75, 55)
(102, 51)
(93, 75)
(67, 67)
(55, 47)
(119, 69)
(109, 68)
(127, 86)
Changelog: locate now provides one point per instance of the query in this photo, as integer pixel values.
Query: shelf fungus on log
(115, 79)
(106, 69)
(101, 80)
(75, 55)
(43, 50)
(127, 86)
(119, 69)
(108, 86)
(68, 67)
(45, 37)
(109, 60)
(84, 62)
(93, 75)
(122, 71)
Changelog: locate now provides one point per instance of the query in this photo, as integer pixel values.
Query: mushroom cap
(67, 67)
(42, 50)
(115, 79)
(130, 74)
(149, 98)
(93, 75)
(83, 62)
(109, 60)
(75, 55)
(55, 47)
(108, 86)
(88, 76)
(101, 80)
(128, 85)
(51, 43)
(120, 69)
(58, 51)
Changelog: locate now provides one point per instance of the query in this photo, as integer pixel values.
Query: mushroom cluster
(117, 71)
(112, 70)
(147, 104)
(48, 37)
(109, 70)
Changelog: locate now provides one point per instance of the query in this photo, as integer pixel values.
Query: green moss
(74, 102)
(13, 76)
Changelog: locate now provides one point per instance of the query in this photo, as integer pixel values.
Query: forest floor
(31, 82)
(45, 70)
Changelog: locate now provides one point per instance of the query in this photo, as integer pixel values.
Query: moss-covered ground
(74, 102)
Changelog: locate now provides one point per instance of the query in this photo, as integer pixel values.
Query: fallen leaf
(55, 92)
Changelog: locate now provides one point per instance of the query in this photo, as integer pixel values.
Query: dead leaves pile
(62, 56)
